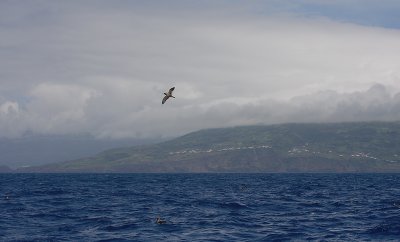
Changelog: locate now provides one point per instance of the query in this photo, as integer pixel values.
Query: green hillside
(329, 147)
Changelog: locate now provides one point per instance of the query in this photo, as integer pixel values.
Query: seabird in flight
(168, 94)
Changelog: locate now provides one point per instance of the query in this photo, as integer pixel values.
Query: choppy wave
(207, 207)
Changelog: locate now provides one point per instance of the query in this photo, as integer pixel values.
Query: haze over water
(220, 207)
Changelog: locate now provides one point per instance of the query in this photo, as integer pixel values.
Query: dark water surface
(200, 207)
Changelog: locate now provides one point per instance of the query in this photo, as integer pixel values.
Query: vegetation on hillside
(323, 147)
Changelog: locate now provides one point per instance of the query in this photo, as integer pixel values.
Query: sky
(101, 67)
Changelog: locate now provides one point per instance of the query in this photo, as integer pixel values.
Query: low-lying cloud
(82, 110)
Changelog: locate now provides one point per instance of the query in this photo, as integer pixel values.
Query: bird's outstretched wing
(164, 99)
(171, 90)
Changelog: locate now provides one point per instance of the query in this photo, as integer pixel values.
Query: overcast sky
(101, 67)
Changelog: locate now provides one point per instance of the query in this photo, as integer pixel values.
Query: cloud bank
(94, 112)
(75, 67)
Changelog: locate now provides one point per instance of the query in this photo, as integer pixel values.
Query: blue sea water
(200, 207)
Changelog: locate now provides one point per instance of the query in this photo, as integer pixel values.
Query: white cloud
(9, 108)
(10, 120)
(103, 71)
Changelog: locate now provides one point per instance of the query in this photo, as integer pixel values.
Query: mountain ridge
(293, 147)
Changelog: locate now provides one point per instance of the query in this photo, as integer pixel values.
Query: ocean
(200, 207)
